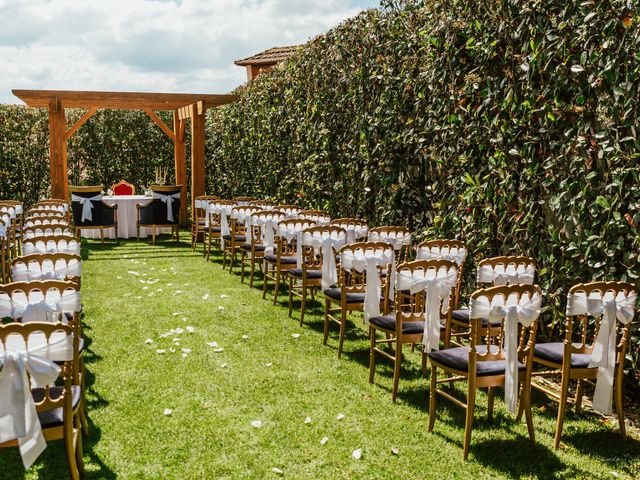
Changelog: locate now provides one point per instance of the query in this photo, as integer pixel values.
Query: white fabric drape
(329, 243)
(39, 307)
(21, 272)
(509, 274)
(369, 260)
(18, 415)
(36, 245)
(268, 224)
(168, 200)
(354, 232)
(512, 311)
(437, 285)
(87, 205)
(612, 309)
(398, 240)
(455, 254)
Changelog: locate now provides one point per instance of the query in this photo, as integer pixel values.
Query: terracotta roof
(268, 57)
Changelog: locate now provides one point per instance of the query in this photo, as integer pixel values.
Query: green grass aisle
(293, 385)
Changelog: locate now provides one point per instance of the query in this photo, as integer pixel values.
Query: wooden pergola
(185, 106)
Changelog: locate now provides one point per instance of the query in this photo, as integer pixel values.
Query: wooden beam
(180, 162)
(197, 153)
(160, 123)
(79, 123)
(58, 150)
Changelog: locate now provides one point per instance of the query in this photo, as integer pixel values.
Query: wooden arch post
(197, 113)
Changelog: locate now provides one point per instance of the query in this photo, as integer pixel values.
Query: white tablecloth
(127, 217)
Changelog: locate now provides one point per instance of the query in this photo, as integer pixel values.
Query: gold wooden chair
(261, 241)
(162, 211)
(213, 232)
(58, 407)
(417, 281)
(452, 250)
(351, 293)
(90, 212)
(399, 237)
(47, 266)
(571, 359)
(356, 228)
(199, 218)
(287, 253)
(504, 270)
(238, 233)
(308, 277)
(504, 359)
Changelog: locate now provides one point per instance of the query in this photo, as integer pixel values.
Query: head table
(127, 218)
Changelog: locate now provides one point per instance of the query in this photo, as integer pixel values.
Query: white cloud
(146, 45)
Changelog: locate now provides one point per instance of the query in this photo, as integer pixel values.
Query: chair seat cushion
(312, 274)
(55, 417)
(554, 351)
(216, 230)
(283, 260)
(239, 238)
(388, 322)
(336, 294)
(247, 246)
(458, 359)
(461, 315)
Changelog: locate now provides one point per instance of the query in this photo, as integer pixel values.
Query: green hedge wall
(509, 124)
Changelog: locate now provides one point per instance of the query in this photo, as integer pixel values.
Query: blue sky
(150, 45)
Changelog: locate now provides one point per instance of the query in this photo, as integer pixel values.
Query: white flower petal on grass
(268, 365)
(184, 355)
(175, 314)
(139, 297)
(205, 296)
(133, 272)
(256, 424)
(357, 454)
(145, 287)
(152, 294)
(186, 350)
(148, 341)
(307, 420)
(142, 281)
(324, 440)
(340, 416)
(169, 284)
(224, 365)
(167, 411)
(172, 350)
(395, 450)
(119, 277)
(221, 309)
(179, 331)
(224, 296)
(190, 329)
(219, 350)
(213, 344)
(277, 470)
(177, 292)
(161, 350)
(295, 335)
(245, 337)
(159, 290)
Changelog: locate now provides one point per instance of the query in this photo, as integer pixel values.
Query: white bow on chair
(42, 310)
(620, 308)
(437, 286)
(168, 199)
(526, 311)
(457, 255)
(18, 414)
(87, 205)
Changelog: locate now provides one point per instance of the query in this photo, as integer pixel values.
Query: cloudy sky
(150, 45)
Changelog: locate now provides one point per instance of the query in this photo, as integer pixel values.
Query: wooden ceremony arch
(184, 106)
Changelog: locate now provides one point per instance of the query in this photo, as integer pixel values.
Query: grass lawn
(134, 291)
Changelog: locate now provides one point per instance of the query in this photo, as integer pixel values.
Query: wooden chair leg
(619, 405)
(303, 302)
(277, 287)
(153, 234)
(265, 280)
(579, 394)
(291, 281)
(253, 270)
(243, 258)
(562, 406)
(232, 258)
(70, 449)
(343, 330)
(525, 400)
(471, 405)
(397, 363)
(372, 354)
(327, 306)
(432, 397)
(424, 364)
(490, 400)
(101, 235)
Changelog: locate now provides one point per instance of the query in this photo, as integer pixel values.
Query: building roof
(268, 57)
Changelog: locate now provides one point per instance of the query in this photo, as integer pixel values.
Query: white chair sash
(437, 285)
(18, 414)
(36, 245)
(268, 224)
(10, 210)
(3, 231)
(509, 274)
(38, 307)
(21, 272)
(398, 240)
(610, 308)
(513, 311)
(354, 232)
(329, 243)
(455, 254)
(168, 200)
(224, 211)
(19, 209)
(368, 260)
(87, 205)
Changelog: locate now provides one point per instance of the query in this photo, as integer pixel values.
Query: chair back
(356, 228)
(40, 301)
(319, 216)
(239, 218)
(52, 244)
(218, 208)
(453, 250)
(507, 270)
(398, 237)
(290, 210)
(242, 201)
(263, 225)
(201, 207)
(84, 201)
(47, 231)
(39, 221)
(263, 204)
(52, 204)
(165, 207)
(9, 209)
(289, 237)
(123, 188)
(47, 266)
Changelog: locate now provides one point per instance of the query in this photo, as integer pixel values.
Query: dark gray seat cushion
(461, 315)
(55, 417)
(458, 359)
(297, 272)
(283, 260)
(247, 246)
(336, 294)
(554, 351)
(388, 322)
(239, 238)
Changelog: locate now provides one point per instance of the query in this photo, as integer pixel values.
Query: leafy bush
(509, 124)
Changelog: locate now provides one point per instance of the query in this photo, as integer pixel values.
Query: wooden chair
(504, 270)
(320, 217)
(571, 359)
(350, 294)
(199, 217)
(484, 365)
(399, 237)
(287, 254)
(261, 241)
(307, 278)
(47, 266)
(52, 244)
(452, 250)
(123, 188)
(90, 212)
(356, 229)
(237, 233)
(408, 325)
(163, 211)
(213, 232)
(58, 407)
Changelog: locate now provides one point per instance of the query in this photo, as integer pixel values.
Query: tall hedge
(510, 124)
